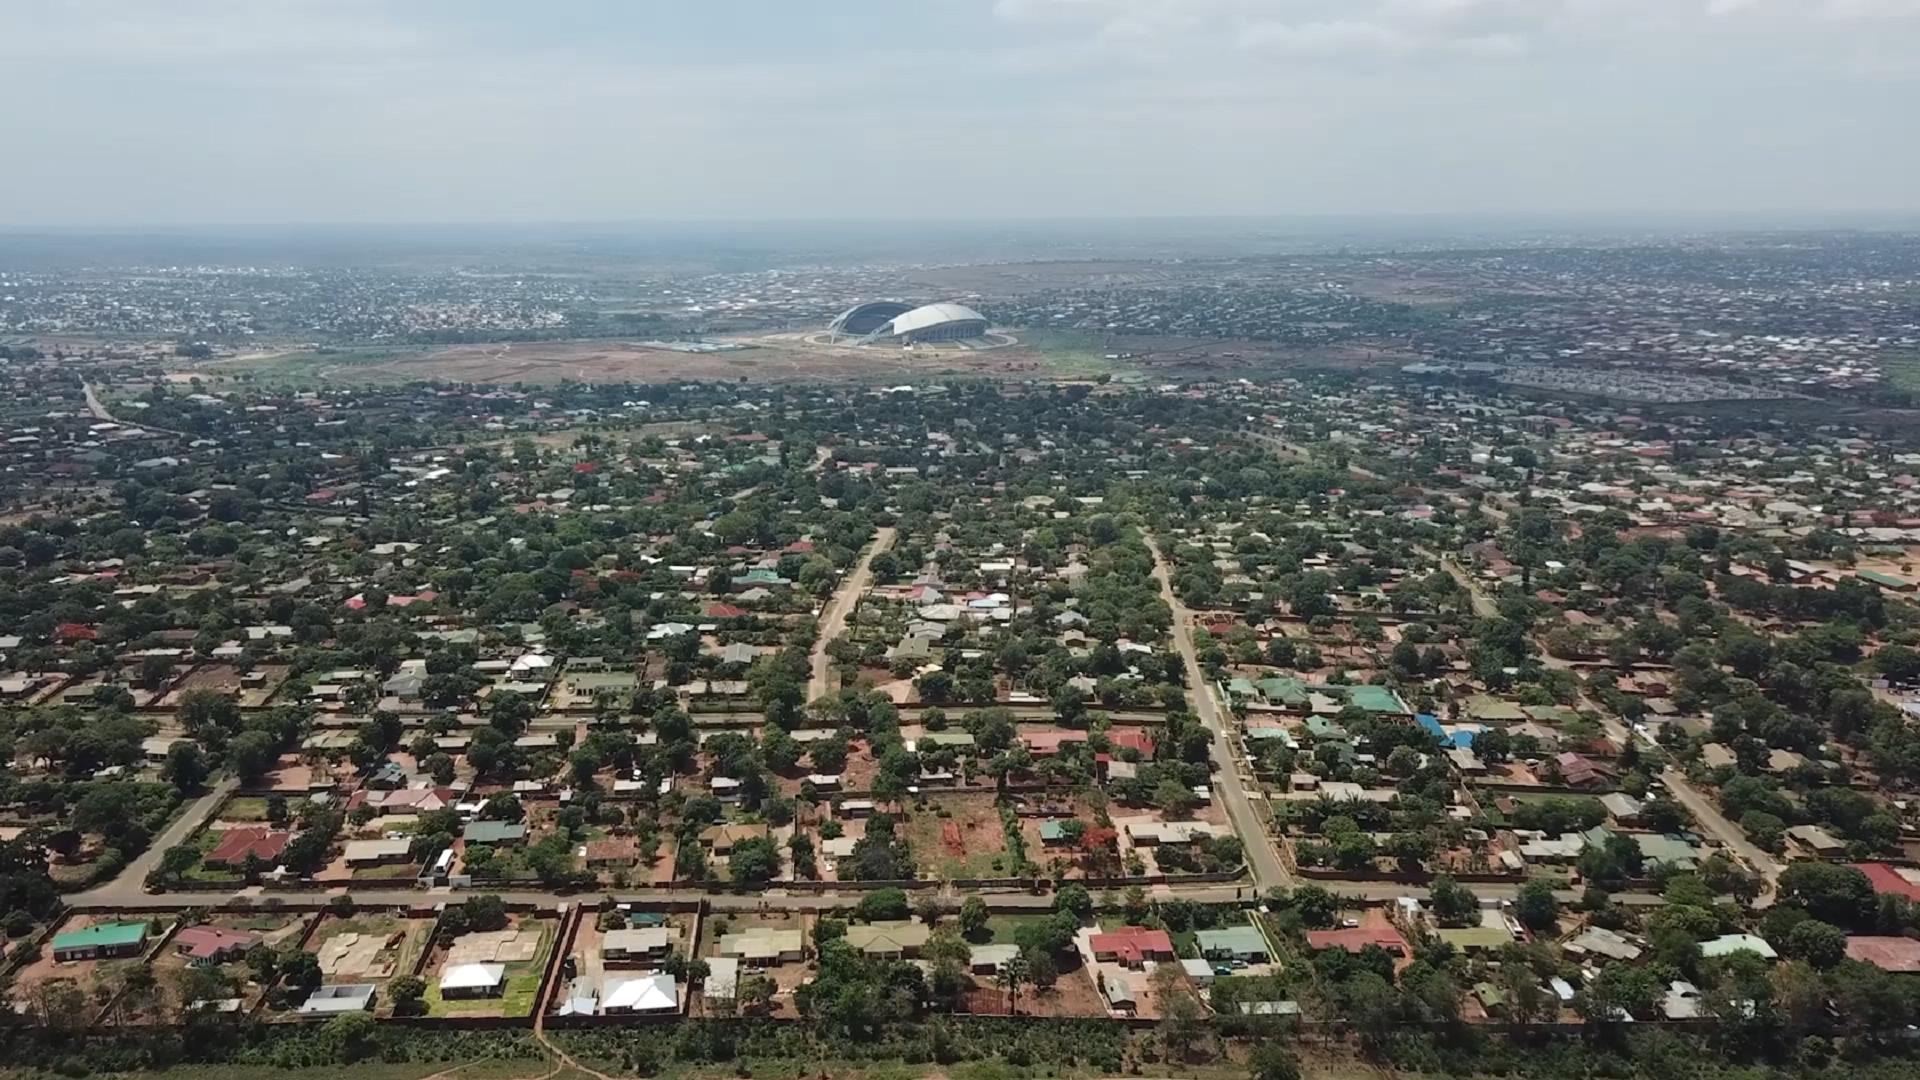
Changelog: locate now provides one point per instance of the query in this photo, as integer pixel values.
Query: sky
(183, 112)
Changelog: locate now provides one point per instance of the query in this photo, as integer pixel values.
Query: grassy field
(1903, 371)
(1074, 354)
(244, 808)
(356, 364)
(1001, 928)
(984, 842)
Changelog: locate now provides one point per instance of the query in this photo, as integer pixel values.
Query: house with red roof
(205, 946)
(70, 632)
(1132, 946)
(1131, 738)
(1897, 955)
(1890, 880)
(237, 844)
(724, 611)
(1045, 744)
(1580, 771)
(1356, 938)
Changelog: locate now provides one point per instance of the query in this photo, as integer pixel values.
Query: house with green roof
(1243, 942)
(1885, 581)
(1325, 730)
(1284, 692)
(1374, 699)
(105, 940)
(494, 832)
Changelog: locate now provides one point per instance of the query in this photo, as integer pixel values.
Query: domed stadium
(863, 319)
(889, 321)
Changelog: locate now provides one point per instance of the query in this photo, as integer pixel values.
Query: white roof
(348, 997)
(921, 318)
(1733, 943)
(723, 978)
(649, 993)
(472, 976)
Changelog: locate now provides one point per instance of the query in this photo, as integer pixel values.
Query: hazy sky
(192, 111)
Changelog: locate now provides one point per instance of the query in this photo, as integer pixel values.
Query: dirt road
(1249, 821)
(834, 619)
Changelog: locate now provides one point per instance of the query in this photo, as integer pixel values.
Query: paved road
(94, 404)
(131, 883)
(834, 618)
(1249, 821)
(774, 899)
(100, 412)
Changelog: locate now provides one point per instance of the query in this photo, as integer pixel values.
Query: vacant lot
(773, 358)
(959, 836)
(368, 947)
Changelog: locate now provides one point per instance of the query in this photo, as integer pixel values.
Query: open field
(369, 947)
(1903, 371)
(959, 836)
(1042, 355)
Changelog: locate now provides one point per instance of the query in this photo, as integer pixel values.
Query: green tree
(1536, 907)
(407, 992)
(973, 915)
(1453, 903)
(186, 767)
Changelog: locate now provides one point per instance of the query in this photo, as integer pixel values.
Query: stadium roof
(921, 318)
(867, 317)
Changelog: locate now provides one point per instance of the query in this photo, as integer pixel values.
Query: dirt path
(833, 619)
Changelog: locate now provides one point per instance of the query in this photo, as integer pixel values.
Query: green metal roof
(103, 936)
(1284, 691)
(1375, 699)
(493, 832)
(1240, 940)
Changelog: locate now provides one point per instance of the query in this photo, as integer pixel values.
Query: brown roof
(612, 848)
(1896, 954)
(236, 844)
(1354, 939)
(206, 942)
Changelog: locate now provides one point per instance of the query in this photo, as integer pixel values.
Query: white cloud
(1324, 38)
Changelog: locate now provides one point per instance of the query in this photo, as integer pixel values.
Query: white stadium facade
(885, 320)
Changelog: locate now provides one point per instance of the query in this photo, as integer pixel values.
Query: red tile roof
(1885, 879)
(236, 844)
(1131, 944)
